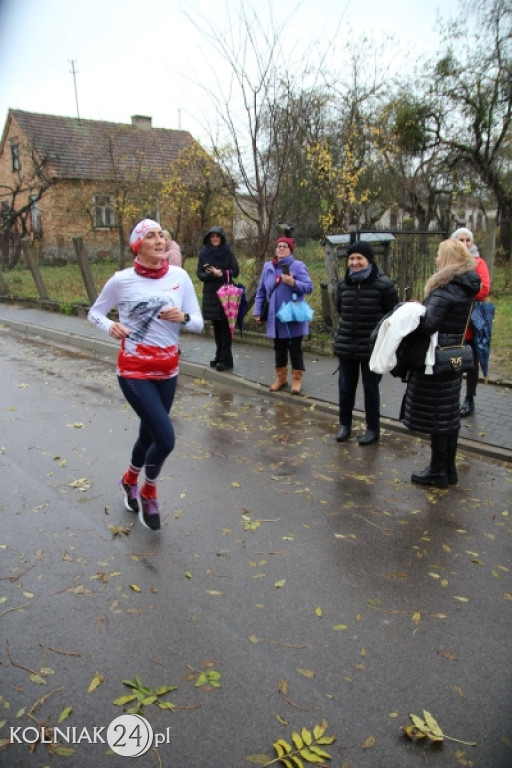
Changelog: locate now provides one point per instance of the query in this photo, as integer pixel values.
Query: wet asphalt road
(312, 576)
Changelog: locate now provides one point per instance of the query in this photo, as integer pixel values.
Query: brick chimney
(140, 121)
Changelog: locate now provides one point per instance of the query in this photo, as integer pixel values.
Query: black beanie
(363, 248)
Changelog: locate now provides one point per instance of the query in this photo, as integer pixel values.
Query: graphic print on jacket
(142, 314)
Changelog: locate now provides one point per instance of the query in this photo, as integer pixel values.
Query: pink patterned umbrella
(230, 296)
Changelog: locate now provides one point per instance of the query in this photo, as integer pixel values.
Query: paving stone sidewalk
(488, 432)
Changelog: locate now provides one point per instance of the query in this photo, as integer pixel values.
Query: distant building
(90, 164)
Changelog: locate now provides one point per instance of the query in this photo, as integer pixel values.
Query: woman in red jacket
(466, 236)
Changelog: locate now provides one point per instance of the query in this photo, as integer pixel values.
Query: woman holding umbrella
(216, 266)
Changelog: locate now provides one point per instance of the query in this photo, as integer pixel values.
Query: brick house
(88, 165)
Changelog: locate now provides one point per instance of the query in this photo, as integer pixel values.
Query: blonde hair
(452, 252)
(453, 259)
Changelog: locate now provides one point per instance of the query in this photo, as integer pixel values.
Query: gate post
(34, 267)
(85, 269)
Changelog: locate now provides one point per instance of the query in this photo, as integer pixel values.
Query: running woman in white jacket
(154, 302)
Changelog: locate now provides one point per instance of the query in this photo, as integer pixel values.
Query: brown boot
(281, 380)
(297, 381)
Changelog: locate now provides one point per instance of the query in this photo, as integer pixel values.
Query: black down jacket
(431, 403)
(360, 307)
(221, 257)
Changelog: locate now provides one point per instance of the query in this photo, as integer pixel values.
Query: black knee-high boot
(436, 473)
(452, 452)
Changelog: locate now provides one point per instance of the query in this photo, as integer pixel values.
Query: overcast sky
(147, 58)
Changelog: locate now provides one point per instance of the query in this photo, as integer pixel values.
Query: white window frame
(35, 215)
(103, 212)
(15, 156)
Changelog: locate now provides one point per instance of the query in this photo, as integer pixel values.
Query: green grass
(64, 284)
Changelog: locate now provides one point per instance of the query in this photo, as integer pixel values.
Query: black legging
(292, 345)
(223, 341)
(151, 399)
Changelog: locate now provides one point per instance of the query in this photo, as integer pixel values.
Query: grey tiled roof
(97, 150)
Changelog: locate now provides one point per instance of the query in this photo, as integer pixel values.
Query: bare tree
(17, 203)
(470, 89)
(256, 111)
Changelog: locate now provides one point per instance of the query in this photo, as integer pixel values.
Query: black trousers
(289, 345)
(472, 375)
(347, 385)
(223, 341)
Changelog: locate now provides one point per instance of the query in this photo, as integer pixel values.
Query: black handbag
(456, 359)
(266, 304)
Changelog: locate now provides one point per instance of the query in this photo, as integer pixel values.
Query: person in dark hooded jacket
(431, 402)
(217, 265)
(365, 295)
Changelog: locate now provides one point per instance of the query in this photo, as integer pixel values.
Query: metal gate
(408, 259)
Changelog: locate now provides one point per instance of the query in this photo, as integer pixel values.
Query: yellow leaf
(369, 742)
(297, 740)
(319, 612)
(340, 626)
(416, 617)
(306, 735)
(307, 673)
(311, 757)
(213, 592)
(417, 721)
(37, 679)
(462, 599)
(254, 639)
(278, 748)
(135, 587)
(279, 584)
(507, 596)
(320, 752)
(64, 751)
(97, 680)
(122, 700)
(65, 714)
(432, 724)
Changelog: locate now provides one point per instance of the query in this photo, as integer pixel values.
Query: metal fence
(408, 258)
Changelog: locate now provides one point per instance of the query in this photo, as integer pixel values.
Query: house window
(15, 157)
(35, 214)
(103, 211)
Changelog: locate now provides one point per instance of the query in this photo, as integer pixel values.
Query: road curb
(107, 349)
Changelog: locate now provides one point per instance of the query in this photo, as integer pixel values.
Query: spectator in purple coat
(282, 279)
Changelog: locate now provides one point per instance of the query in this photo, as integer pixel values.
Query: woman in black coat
(365, 295)
(431, 403)
(217, 265)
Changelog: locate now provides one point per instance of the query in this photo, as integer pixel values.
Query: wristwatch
(186, 319)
